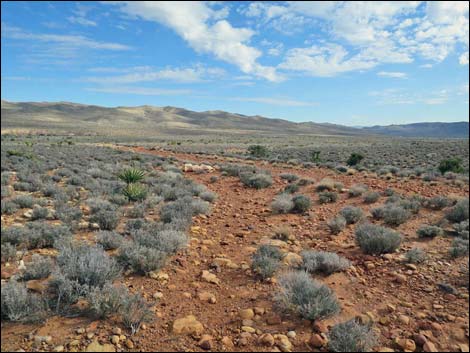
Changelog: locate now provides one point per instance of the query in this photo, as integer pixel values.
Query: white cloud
(68, 41)
(392, 74)
(325, 61)
(198, 73)
(463, 59)
(81, 21)
(275, 101)
(141, 91)
(200, 26)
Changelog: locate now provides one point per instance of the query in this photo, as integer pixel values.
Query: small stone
(129, 344)
(266, 340)
(399, 278)
(59, 348)
(248, 329)
(74, 343)
(115, 339)
(210, 277)
(405, 320)
(291, 334)
(320, 327)
(157, 295)
(406, 344)
(207, 297)
(95, 346)
(187, 326)
(258, 310)
(429, 347)
(227, 342)
(318, 340)
(247, 314)
(116, 331)
(283, 343)
(206, 342)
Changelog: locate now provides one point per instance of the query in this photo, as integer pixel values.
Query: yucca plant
(131, 175)
(135, 192)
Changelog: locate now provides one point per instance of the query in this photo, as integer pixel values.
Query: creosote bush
(323, 262)
(109, 240)
(39, 267)
(303, 296)
(395, 215)
(375, 240)
(351, 336)
(140, 258)
(459, 212)
(134, 312)
(451, 165)
(106, 219)
(437, 203)
(371, 197)
(106, 301)
(459, 247)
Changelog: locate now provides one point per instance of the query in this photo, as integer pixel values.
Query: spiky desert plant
(131, 175)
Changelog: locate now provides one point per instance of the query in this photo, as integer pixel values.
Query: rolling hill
(151, 120)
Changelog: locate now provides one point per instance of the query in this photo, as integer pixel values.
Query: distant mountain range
(148, 120)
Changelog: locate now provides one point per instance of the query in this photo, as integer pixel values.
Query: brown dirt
(239, 220)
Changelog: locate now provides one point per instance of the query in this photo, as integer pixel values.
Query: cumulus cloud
(392, 74)
(141, 91)
(274, 101)
(201, 27)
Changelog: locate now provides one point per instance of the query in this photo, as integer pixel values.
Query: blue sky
(353, 63)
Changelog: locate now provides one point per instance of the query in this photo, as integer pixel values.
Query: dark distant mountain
(442, 130)
(150, 120)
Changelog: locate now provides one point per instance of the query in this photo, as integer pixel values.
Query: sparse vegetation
(323, 262)
(375, 240)
(428, 231)
(337, 224)
(351, 336)
(352, 214)
(266, 261)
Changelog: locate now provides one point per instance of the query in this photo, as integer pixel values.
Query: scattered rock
(246, 314)
(210, 277)
(206, 342)
(187, 326)
(95, 346)
(266, 340)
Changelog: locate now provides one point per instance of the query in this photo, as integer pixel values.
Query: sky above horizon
(352, 63)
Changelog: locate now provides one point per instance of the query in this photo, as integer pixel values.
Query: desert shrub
(199, 206)
(24, 201)
(375, 240)
(357, 190)
(135, 192)
(140, 258)
(291, 188)
(96, 205)
(413, 204)
(106, 301)
(309, 299)
(428, 231)
(208, 196)
(352, 214)
(304, 182)
(9, 207)
(302, 203)
(371, 197)
(40, 234)
(256, 180)
(459, 212)
(337, 224)
(289, 177)
(415, 256)
(395, 215)
(258, 151)
(134, 312)
(213, 179)
(39, 267)
(451, 165)
(118, 199)
(106, 219)
(39, 213)
(168, 240)
(437, 203)
(459, 248)
(109, 240)
(89, 265)
(351, 336)
(282, 203)
(327, 197)
(25, 186)
(65, 292)
(17, 304)
(389, 192)
(325, 185)
(266, 260)
(134, 224)
(462, 229)
(8, 252)
(137, 211)
(131, 175)
(323, 262)
(179, 211)
(68, 214)
(354, 159)
(378, 212)
(282, 233)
